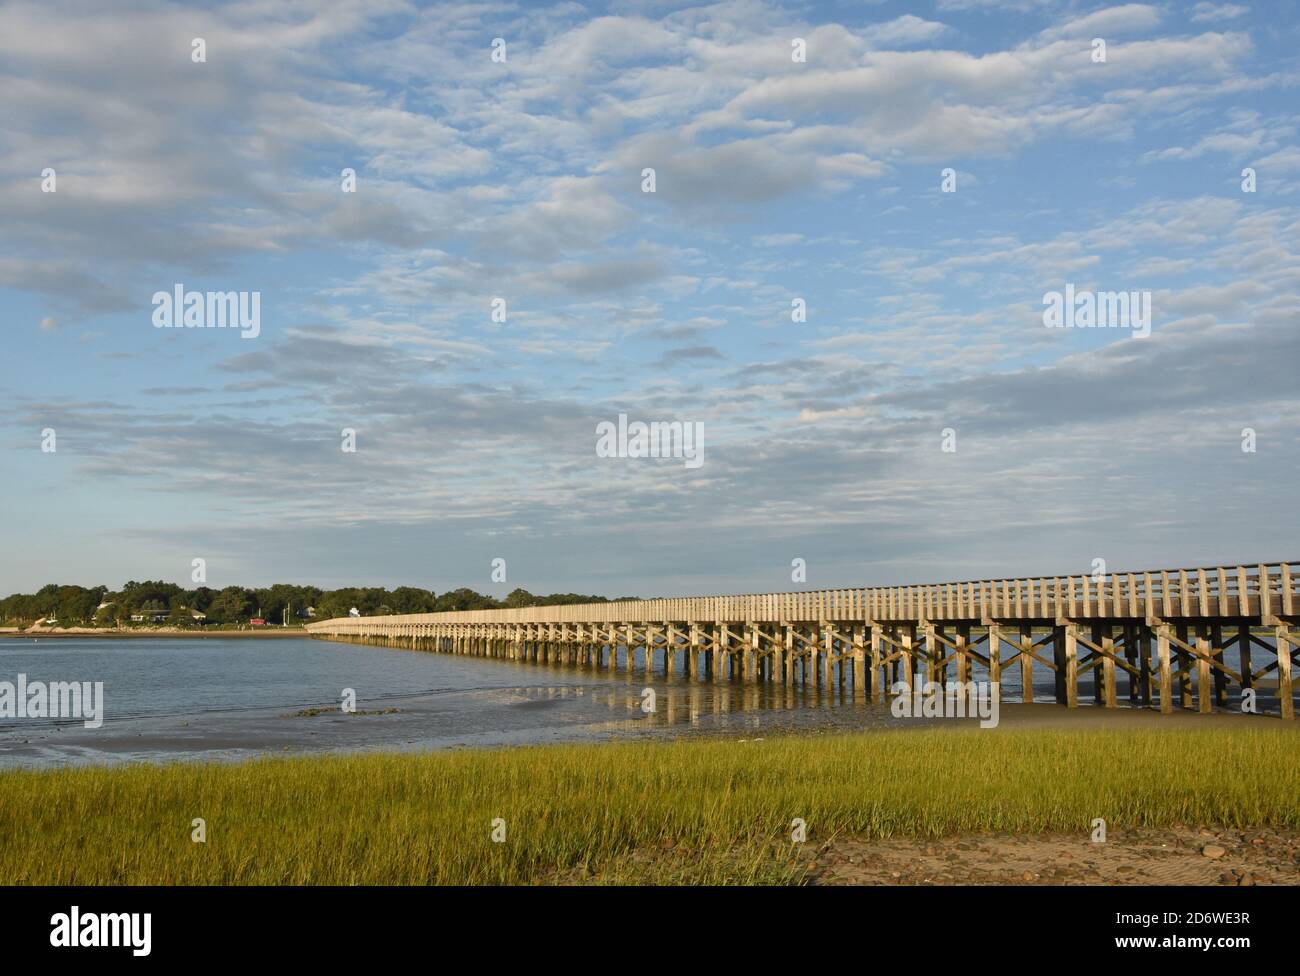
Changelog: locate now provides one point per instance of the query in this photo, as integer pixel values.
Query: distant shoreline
(161, 632)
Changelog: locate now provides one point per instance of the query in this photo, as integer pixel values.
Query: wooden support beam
(877, 672)
(1027, 663)
(1220, 678)
(1243, 649)
(859, 664)
(1285, 641)
(1058, 655)
(1071, 665)
(1204, 689)
(1130, 655)
(907, 636)
(995, 660)
(1166, 669)
(1108, 668)
(1098, 637)
(1142, 637)
(1184, 675)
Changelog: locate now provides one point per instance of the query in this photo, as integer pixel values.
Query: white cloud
(904, 31)
(1126, 19)
(1204, 12)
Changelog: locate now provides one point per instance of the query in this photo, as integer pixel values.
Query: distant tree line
(154, 600)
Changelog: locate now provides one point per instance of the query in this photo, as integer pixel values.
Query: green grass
(711, 811)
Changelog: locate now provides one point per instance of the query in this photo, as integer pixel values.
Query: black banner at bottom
(146, 926)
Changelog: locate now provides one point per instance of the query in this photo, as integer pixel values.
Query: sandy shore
(1181, 856)
(82, 632)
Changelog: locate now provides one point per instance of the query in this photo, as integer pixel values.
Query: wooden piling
(1027, 663)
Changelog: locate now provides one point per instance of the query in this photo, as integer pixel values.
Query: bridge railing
(1258, 590)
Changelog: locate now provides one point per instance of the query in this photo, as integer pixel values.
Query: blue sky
(521, 179)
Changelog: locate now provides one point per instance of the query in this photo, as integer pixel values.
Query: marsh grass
(696, 811)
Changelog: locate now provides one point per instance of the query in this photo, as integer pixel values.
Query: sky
(918, 181)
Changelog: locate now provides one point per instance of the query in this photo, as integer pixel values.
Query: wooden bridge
(1188, 638)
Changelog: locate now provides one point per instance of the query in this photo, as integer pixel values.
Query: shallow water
(229, 699)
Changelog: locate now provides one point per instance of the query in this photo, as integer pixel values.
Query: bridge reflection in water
(680, 705)
(1207, 638)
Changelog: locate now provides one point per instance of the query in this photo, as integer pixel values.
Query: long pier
(1206, 638)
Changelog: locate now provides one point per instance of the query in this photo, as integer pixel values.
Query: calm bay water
(209, 699)
(214, 699)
